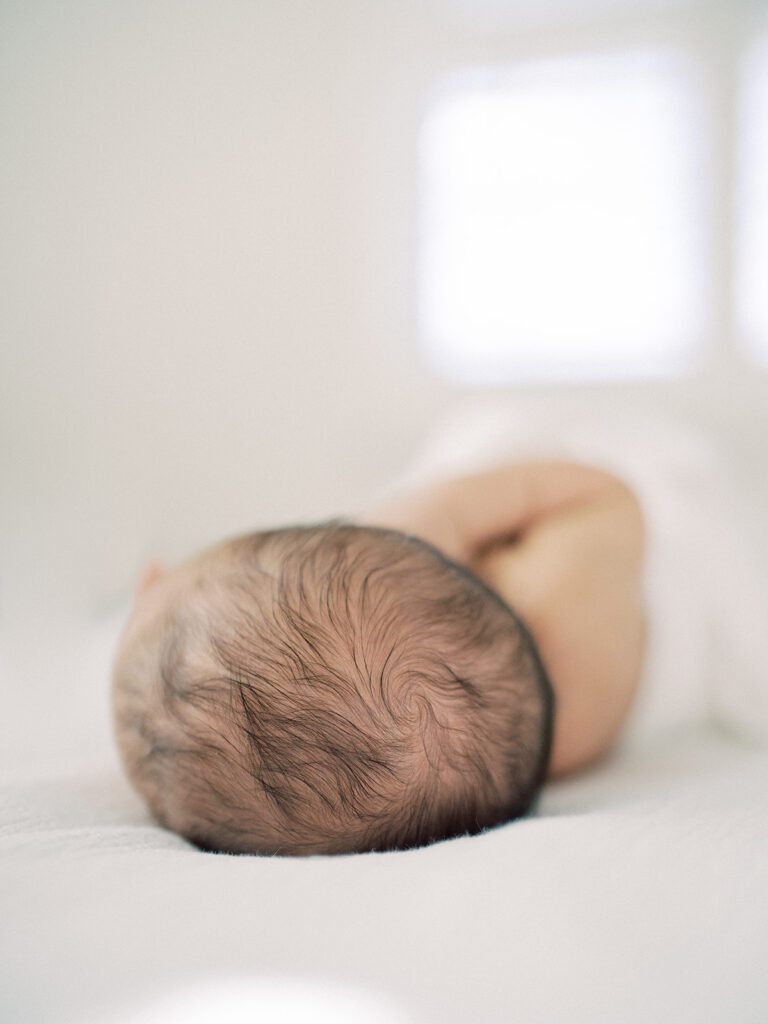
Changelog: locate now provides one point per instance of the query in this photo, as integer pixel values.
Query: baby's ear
(151, 573)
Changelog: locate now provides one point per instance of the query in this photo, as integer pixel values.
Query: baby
(355, 687)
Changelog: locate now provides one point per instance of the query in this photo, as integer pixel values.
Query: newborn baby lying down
(351, 687)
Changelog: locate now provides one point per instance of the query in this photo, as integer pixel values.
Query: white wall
(207, 307)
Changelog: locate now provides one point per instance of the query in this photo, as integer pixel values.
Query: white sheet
(639, 893)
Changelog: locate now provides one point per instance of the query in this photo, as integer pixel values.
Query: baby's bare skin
(563, 544)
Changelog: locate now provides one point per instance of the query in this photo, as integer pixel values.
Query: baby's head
(327, 689)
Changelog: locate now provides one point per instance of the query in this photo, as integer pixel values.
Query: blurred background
(251, 251)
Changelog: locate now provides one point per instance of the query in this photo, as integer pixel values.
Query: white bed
(638, 893)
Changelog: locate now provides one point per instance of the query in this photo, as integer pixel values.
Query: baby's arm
(464, 514)
(562, 544)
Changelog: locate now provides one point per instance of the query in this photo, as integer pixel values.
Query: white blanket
(638, 893)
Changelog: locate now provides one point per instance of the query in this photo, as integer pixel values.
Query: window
(752, 250)
(562, 218)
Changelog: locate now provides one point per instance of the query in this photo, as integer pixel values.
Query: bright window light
(563, 221)
(752, 286)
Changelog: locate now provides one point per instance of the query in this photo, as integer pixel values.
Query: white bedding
(638, 893)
